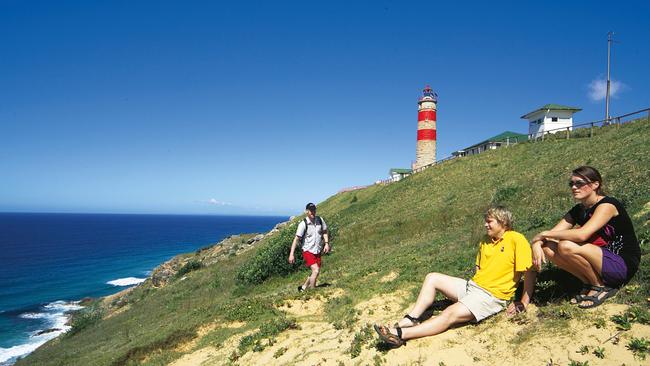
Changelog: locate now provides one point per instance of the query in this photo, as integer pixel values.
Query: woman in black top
(595, 241)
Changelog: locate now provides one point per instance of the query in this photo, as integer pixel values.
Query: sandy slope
(489, 343)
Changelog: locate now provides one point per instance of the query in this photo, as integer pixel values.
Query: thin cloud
(598, 89)
(216, 202)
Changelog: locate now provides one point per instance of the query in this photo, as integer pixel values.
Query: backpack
(317, 221)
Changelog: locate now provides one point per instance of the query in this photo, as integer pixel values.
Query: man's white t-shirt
(314, 237)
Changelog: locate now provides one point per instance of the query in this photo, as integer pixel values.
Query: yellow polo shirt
(498, 262)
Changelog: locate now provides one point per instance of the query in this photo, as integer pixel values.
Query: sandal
(414, 321)
(596, 299)
(389, 338)
(579, 297)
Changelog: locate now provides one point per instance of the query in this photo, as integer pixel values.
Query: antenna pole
(609, 51)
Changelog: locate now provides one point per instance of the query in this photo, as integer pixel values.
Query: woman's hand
(538, 255)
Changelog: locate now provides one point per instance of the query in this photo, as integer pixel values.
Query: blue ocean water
(49, 261)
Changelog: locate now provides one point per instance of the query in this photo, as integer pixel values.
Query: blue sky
(212, 107)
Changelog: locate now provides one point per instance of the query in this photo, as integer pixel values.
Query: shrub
(190, 266)
(85, 318)
(271, 259)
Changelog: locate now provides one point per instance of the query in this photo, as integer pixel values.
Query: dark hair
(590, 174)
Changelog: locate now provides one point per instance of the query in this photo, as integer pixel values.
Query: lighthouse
(425, 152)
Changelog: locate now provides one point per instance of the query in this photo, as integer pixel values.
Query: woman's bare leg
(552, 252)
(433, 282)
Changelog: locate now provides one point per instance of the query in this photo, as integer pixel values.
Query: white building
(550, 118)
(397, 174)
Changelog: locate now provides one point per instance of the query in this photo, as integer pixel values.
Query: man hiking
(311, 232)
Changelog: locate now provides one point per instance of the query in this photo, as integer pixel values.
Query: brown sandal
(414, 321)
(389, 338)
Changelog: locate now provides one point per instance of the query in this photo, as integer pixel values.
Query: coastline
(61, 313)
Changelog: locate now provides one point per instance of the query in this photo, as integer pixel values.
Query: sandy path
(496, 341)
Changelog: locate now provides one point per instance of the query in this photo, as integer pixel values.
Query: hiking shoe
(300, 289)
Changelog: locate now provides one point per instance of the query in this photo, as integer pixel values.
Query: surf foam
(128, 281)
(55, 316)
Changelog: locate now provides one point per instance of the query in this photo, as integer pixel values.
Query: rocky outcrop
(206, 256)
(230, 246)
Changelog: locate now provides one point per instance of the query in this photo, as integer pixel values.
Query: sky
(256, 108)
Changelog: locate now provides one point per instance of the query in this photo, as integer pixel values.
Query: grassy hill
(386, 238)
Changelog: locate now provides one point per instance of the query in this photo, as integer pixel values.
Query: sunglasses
(578, 183)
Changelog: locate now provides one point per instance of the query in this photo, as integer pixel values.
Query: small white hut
(550, 118)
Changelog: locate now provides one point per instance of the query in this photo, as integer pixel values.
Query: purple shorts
(614, 271)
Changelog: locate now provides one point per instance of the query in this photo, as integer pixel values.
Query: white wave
(12, 353)
(128, 281)
(34, 315)
(56, 316)
(63, 306)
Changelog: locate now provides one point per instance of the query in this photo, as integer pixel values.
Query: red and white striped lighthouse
(425, 152)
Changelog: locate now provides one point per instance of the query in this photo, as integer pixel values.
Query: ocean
(48, 262)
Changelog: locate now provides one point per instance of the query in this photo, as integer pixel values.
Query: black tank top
(618, 232)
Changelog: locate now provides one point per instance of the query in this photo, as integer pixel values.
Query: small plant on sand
(599, 352)
(360, 338)
(340, 312)
(639, 314)
(280, 352)
(578, 363)
(234, 356)
(622, 321)
(600, 322)
(640, 347)
(267, 333)
(583, 350)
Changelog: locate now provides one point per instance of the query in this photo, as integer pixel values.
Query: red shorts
(311, 258)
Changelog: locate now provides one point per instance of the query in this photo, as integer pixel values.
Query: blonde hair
(502, 215)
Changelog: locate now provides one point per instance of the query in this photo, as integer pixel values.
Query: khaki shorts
(480, 302)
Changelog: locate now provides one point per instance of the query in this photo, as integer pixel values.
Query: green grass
(431, 221)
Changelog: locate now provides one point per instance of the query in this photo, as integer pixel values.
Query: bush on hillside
(271, 259)
(84, 318)
(190, 266)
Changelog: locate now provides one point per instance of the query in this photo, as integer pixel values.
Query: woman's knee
(566, 247)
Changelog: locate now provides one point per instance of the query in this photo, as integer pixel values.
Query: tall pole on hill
(609, 51)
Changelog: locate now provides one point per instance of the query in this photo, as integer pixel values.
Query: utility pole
(609, 52)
